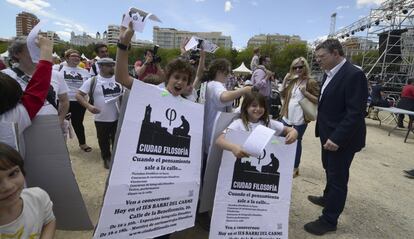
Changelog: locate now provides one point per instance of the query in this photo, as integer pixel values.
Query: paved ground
(380, 201)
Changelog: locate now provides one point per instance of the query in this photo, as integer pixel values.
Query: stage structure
(385, 42)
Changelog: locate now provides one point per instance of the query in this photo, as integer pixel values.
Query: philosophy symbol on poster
(170, 114)
(155, 139)
(249, 174)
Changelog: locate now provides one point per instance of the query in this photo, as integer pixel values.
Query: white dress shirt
(330, 74)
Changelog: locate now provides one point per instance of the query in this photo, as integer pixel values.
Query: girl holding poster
(254, 112)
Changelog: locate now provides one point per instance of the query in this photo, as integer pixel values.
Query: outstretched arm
(121, 67)
(234, 148)
(234, 94)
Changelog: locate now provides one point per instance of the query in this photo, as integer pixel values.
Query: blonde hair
(306, 73)
(70, 51)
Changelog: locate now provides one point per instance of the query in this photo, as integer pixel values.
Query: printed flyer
(253, 194)
(155, 177)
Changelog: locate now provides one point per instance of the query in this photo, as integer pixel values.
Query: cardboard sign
(155, 175)
(48, 166)
(253, 194)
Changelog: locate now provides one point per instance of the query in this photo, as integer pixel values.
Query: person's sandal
(86, 149)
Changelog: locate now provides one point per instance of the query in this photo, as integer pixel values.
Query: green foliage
(3, 46)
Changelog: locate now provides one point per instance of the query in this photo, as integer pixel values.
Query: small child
(253, 113)
(24, 212)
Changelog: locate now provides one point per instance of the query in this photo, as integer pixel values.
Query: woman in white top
(297, 85)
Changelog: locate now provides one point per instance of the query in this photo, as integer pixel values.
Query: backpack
(92, 90)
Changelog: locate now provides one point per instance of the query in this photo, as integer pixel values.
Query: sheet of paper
(138, 18)
(34, 50)
(206, 45)
(191, 44)
(258, 140)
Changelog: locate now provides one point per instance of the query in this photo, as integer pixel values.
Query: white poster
(253, 194)
(155, 177)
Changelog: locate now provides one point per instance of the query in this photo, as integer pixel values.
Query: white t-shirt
(212, 106)
(57, 82)
(106, 90)
(190, 97)
(74, 78)
(37, 212)
(295, 112)
(273, 124)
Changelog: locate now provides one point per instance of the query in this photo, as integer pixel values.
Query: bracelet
(123, 46)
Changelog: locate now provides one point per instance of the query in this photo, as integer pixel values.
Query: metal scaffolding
(388, 47)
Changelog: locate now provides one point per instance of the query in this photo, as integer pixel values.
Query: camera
(156, 58)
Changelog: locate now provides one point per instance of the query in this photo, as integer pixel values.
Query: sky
(241, 19)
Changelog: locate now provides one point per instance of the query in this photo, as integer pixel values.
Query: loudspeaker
(393, 54)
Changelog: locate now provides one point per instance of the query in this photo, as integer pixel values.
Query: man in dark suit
(341, 127)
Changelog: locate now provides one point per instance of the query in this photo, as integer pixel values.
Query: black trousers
(77, 112)
(406, 104)
(105, 132)
(336, 165)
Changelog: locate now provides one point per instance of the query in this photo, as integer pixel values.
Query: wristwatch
(123, 46)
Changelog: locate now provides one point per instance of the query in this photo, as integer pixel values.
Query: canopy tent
(242, 69)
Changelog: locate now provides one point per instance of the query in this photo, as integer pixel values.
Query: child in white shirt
(24, 212)
(253, 113)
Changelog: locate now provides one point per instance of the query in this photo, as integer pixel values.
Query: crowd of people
(67, 90)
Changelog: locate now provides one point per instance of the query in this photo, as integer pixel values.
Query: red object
(36, 91)
(408, 91)
(151, 69)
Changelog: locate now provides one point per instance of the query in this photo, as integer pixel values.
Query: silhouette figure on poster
(155, 139)
(254, 178)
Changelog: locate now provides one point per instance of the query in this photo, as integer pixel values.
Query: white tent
(242, 69)
(5, 54)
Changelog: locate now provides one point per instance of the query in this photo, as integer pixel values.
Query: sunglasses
(298, 67)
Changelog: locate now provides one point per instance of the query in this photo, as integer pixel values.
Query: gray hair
(16, 47)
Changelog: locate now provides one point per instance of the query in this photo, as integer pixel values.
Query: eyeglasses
(298, 67)
(77, 56)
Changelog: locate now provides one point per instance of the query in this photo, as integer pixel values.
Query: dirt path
(380, 201)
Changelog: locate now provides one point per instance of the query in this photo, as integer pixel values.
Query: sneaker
(320, 201)
(401, 126)
(319, 227)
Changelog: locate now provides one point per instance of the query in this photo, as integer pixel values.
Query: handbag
(309, 109)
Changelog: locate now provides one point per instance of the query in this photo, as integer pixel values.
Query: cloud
(254, 3)
(342, 7)
(199, 0)
(341, 16)
(208, 24)
(362, 3)
(227, 6)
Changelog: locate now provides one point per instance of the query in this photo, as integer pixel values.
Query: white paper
(206, 45)
(138, 18)
(258, 140)
(253, 195)
(34, 50)
(155, 176)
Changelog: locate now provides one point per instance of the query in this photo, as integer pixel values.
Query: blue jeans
(301, 131)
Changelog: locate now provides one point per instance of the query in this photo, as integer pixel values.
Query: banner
(155, 177)
(253, 194)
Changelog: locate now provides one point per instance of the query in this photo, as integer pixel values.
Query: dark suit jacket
(341, 110)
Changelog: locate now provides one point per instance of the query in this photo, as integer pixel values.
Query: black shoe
(106, 163)
(319, 227)
(203, 219)
(401, 126)
(317, 200)
(409, 172)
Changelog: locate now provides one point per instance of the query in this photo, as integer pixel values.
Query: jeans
(105, 132)
(301, 131)
(77, 114)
